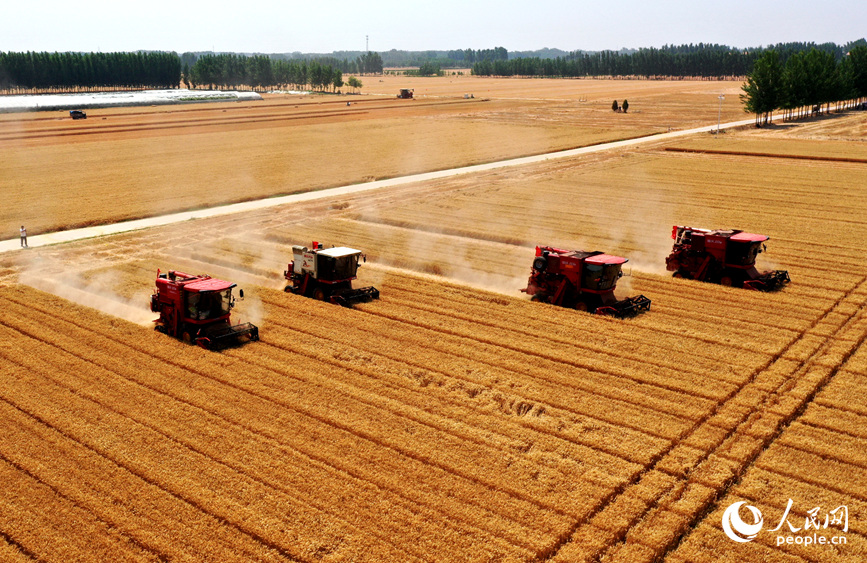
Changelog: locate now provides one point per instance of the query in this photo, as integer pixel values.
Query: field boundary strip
(198, 122)
(768, 155)
(253, 392)
(714, 463)
(144, 223)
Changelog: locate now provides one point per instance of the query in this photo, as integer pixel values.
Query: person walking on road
(23, 237)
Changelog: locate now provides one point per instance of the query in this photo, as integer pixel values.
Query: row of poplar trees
(259, 71)
(710, 61)
(804, 82)
(65, 72)
(88, 71)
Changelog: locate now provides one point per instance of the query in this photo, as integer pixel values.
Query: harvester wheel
(319, 294)
(726, 281)
(581, 306)
(288, 289)
(187, 337)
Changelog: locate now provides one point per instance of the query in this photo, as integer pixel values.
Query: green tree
(337, 79)
(763, 86)
(354, 83)
(856, 64)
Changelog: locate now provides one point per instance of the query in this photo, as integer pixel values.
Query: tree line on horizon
(259, 71)
(701, 60)
(72, 71)
(804, 81)
(66, 72)
(43, 71)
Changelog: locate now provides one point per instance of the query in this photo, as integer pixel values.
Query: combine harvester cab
(726, 257)
(327, 274)
(581, 280)
(196, 309)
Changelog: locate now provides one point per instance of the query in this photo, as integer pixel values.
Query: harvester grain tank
(581, 280)
(327, 274)
(197, 309)
(726, 257)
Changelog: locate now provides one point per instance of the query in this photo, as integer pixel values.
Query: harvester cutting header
(726, 257)
(327, 274)
(581, 280)
(196, 309)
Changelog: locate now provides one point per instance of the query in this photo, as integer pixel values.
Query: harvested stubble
(277, 479)
(446, 420)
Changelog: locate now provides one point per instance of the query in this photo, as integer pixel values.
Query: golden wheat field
(453, 419)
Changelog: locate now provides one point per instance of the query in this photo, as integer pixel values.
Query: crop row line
(537, 319)
(355, 432)
(770, 436)
(399, 392)
(131, 539)
(119, 459)
(502, 509)
(526, 350)
(745, 418)
(468, 355)
(193, 447)
(20, 550)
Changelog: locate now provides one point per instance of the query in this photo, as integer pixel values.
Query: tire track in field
(242, 470)
(140, 474)
(218, 415)
(471, 357)
(238, 526)
(111, 129)
(88, 232)
(23, 550)
(86, 130)
(745, 413)
(497, 430)
(117, 495)
(490, 341)
(60, 494)
(609, 351)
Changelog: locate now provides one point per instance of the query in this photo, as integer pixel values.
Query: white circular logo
(737, 529)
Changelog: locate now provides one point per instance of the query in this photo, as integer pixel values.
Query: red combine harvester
(723, 257)
(327, 274)
(196, 309)
(581, 280)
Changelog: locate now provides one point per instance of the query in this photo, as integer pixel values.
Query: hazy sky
(322, 26)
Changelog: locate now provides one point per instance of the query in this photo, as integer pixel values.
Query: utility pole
(366, 43)
(719, 113)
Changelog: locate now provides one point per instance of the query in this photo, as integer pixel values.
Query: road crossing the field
(59, 237)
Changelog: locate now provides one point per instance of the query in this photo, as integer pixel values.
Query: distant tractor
(406, 93)
(196, 309)
(581, 280)
(77, 114)
(327, 274)
(726, 257)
